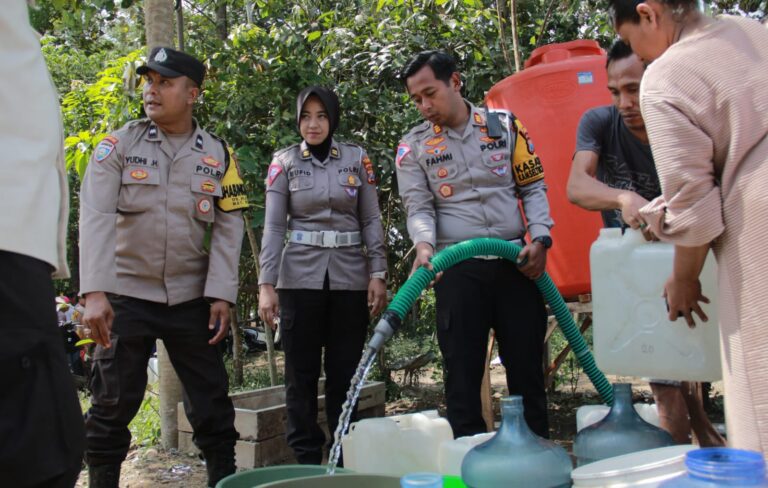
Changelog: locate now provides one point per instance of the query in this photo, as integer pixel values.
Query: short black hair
(626, 10)
(442, 64)
(619, 50)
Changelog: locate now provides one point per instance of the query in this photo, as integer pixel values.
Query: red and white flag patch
(273, 172)
(402, 151)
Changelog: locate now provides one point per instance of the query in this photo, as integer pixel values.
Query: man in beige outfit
(160, 236)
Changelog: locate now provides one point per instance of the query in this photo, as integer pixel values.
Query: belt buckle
(329, 238)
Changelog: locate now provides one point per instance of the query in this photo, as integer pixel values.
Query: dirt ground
(151, 467)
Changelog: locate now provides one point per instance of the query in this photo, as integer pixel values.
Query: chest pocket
(140, 189)
(205, 189)
(443, 172)
(498, 164)
(301, 182)
(350, 184)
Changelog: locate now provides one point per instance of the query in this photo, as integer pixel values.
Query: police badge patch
(204, 205)
(402, 151)
(352, 192)
(105, 148)
(273, 172)
(368, 165)
(500, 170)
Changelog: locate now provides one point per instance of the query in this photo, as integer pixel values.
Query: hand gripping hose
(392, 318)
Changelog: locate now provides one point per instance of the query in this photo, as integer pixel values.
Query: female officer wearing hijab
(332, 272)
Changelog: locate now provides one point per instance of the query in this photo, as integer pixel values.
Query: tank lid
(552, 53)
(649, 461)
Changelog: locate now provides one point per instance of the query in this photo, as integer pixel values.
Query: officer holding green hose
(461, 175)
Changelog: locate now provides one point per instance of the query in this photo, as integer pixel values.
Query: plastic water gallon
(516, 457)
(451, 453)
(396, 445)
(622, 431)
(632, 333)
(642, 469)
(591, 414)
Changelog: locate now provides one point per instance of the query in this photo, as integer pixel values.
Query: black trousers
(473, 297)
(120, 376)
(311, 320)
(41, 425)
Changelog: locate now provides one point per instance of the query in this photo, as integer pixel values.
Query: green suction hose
(412, 288)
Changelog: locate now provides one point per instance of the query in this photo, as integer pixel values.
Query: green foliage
(145, 426)
(570, 371)
(254, 377)
(93, 110)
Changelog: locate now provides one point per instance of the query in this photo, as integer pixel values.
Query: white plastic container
(632, 333)
(451, 453)
(642, 469)
(591, 414)
(396, 445)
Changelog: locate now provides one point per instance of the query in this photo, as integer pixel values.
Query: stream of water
(346, 410)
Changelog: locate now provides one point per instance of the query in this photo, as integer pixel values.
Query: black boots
(219, 462)
(104, 476)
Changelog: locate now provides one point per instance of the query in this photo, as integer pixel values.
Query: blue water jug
(515, 456)
(621, 431)
(714, 467)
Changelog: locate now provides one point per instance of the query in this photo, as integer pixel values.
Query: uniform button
(25, 362)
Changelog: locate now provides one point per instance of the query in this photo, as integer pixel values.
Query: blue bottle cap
(422, 480)
(725, 464)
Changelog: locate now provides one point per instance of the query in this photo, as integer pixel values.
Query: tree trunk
(237, 348)
(170, 396)
(267, 328)
(158, 23)
(515, 40)
(222, 29)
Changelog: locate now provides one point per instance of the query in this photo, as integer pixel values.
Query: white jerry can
(631, 330)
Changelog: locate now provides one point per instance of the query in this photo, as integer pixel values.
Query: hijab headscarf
(331, 103)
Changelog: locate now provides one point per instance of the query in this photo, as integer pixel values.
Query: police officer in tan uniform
(155, 193)
(321, 195)
(461, 175)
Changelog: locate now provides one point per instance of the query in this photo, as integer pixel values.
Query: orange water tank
(559, 83)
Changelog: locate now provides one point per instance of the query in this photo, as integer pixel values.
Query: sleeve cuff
(538, 230)
(219, 291)
(268, 278)
(377, 264)
(695, 226)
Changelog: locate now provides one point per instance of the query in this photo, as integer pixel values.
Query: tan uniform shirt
(310, 195)
(145, 213)
(463, 186)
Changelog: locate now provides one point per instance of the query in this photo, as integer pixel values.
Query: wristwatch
(382, 275)
(545, 241)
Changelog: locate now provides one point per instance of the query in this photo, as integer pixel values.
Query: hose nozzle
(388, 324)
